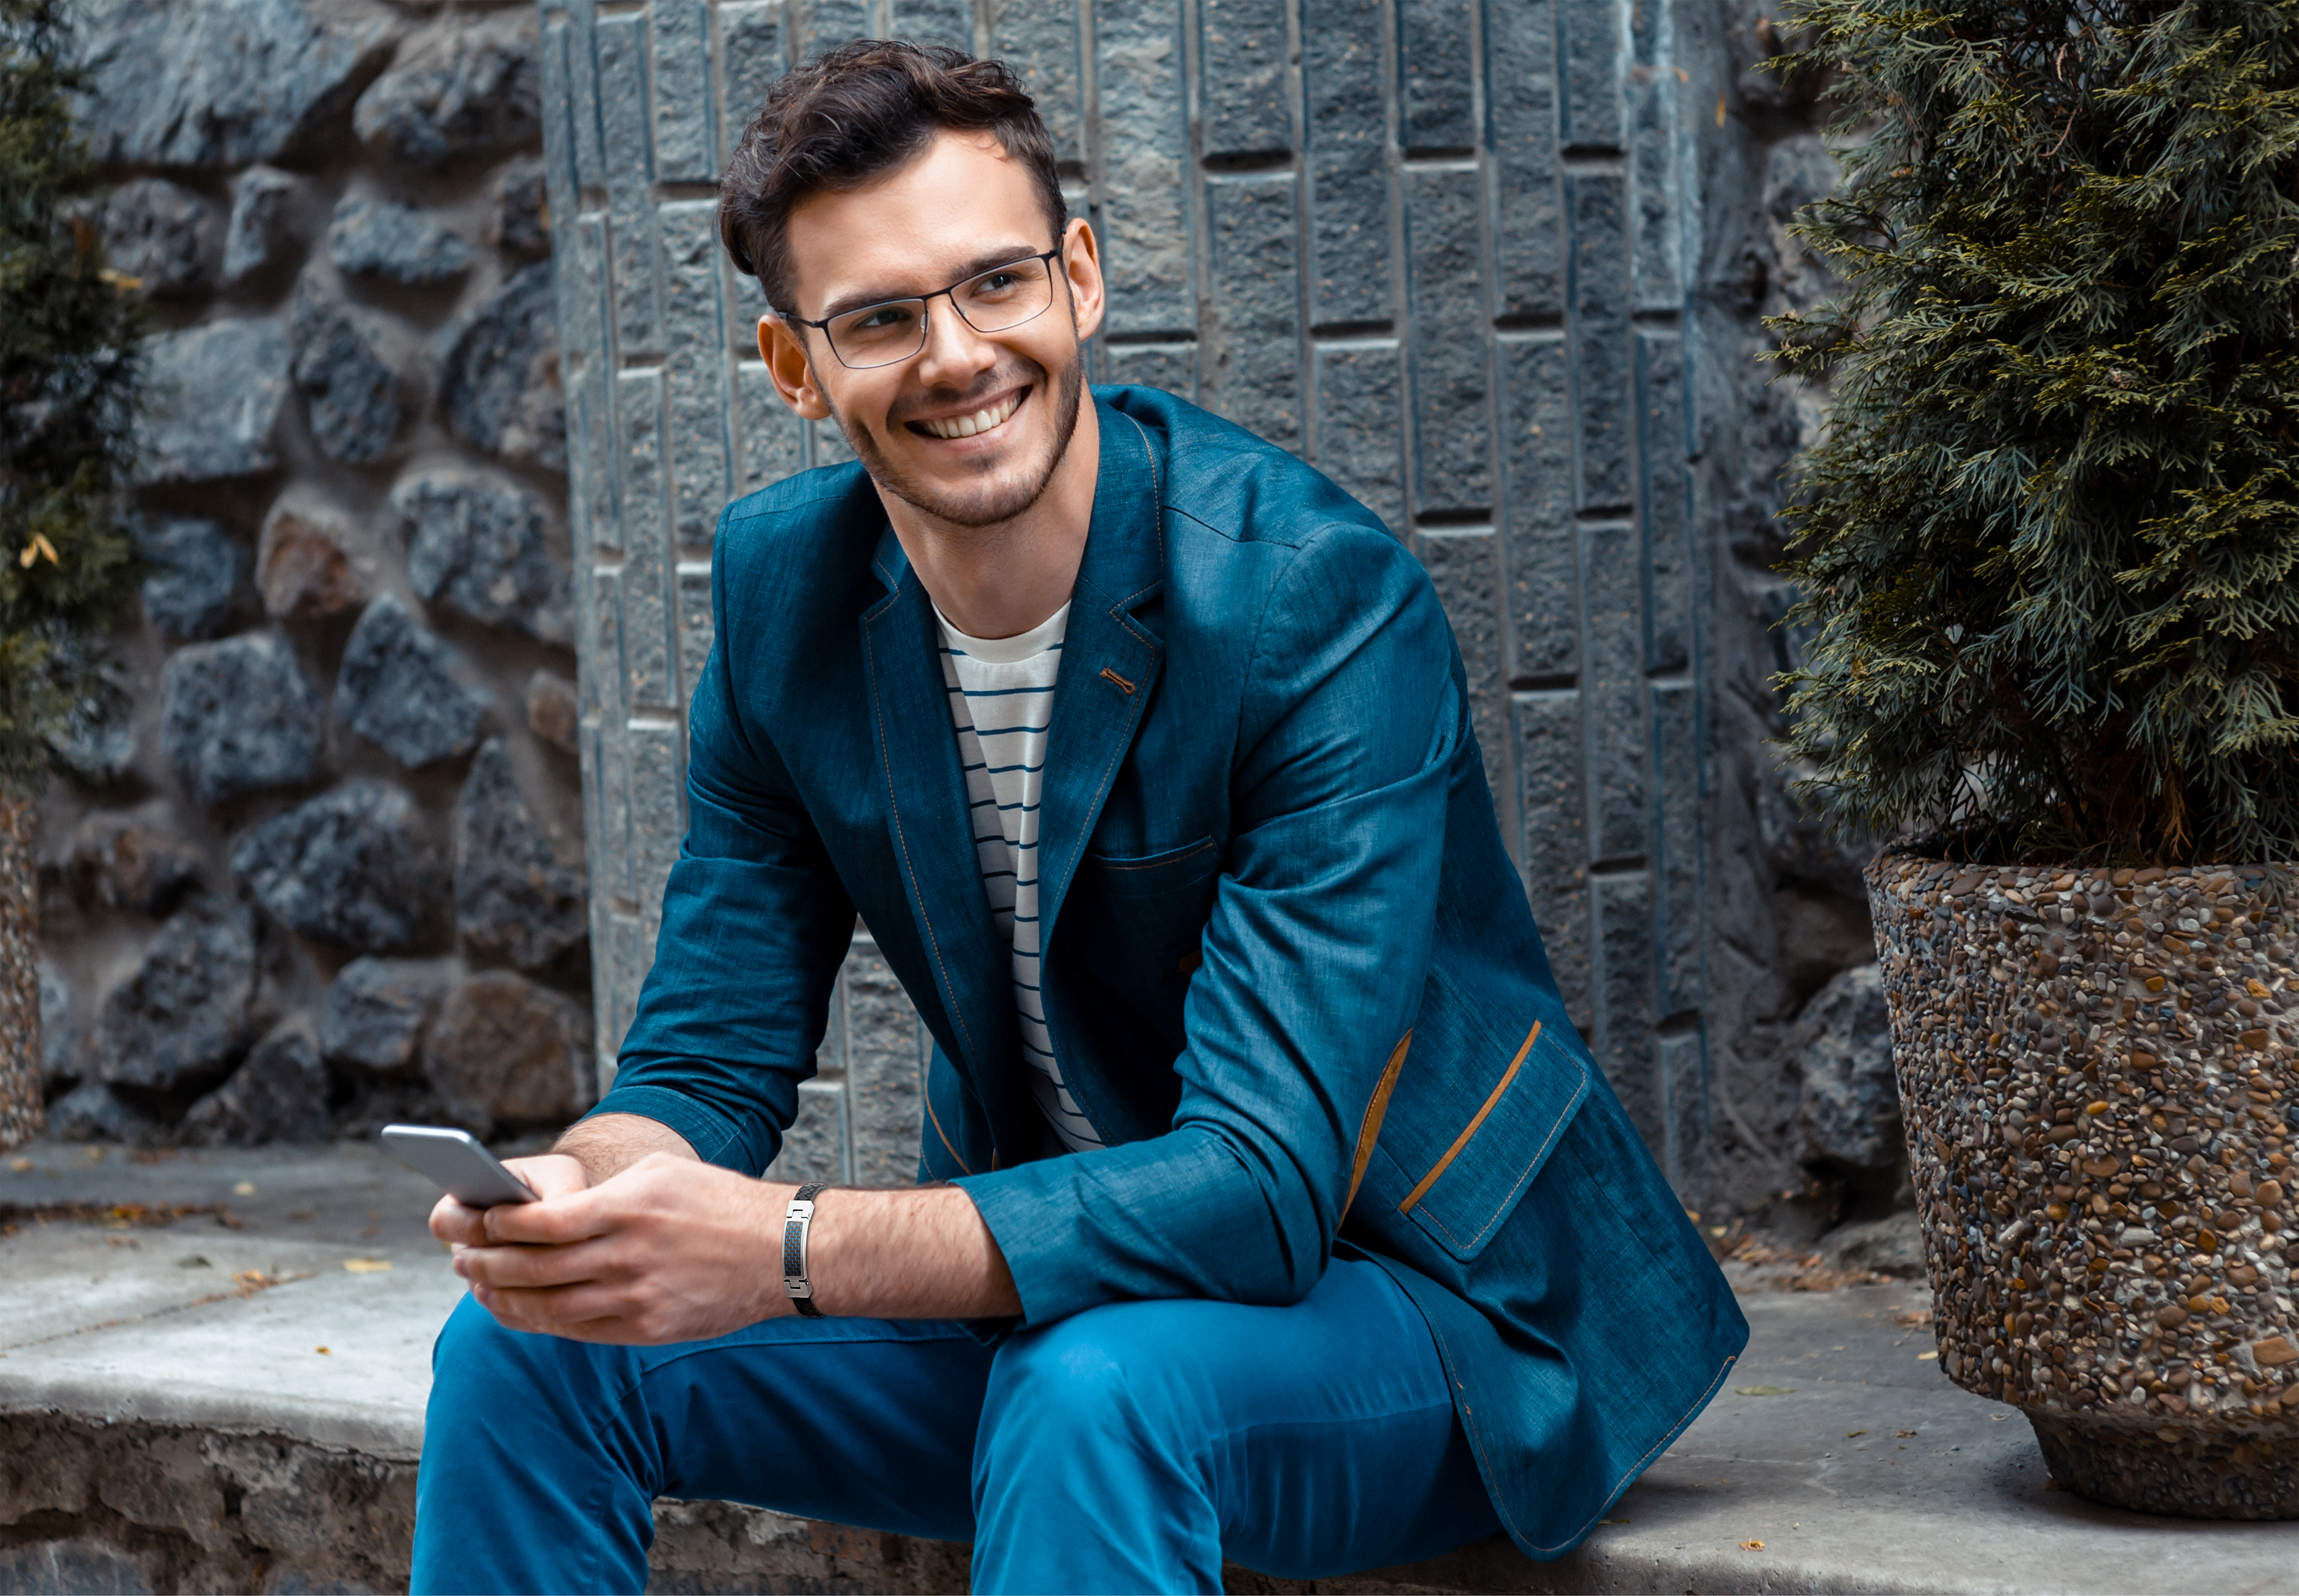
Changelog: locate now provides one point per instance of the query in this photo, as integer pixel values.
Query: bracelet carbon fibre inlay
(796, 1223)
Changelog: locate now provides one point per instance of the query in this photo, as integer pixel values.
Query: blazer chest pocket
(1489, 1111)
(1155, 874)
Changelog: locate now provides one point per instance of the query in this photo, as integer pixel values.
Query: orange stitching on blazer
(1531, 1163)
(964, 1167)
(1369, 1128)
(1461, 1141)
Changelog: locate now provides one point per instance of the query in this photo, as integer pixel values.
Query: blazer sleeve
(1353, 720)
(755, 924)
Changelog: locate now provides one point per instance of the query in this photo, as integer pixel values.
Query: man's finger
(456, 1224)
(555, 1221)
(527, 1267)
(586, 1312)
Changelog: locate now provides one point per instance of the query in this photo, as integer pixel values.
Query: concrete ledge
(170, 1425)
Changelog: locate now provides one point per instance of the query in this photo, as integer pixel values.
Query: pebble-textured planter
(2097, 1070)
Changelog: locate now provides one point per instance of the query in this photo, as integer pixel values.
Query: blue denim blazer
(1290, 971)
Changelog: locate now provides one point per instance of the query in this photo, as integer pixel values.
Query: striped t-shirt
(1002, 700)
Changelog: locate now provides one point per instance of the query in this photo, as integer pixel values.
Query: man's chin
(973, 498)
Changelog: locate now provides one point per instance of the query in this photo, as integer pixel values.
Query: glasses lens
(879, 335)
(1006, 296)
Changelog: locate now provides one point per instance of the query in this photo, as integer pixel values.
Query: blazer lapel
(1109, 659)
(933, 839)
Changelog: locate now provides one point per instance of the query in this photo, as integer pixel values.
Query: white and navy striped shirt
(1002, 703)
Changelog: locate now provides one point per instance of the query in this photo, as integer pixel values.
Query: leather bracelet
(796, 1223)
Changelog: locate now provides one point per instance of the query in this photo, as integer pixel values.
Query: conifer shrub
(2046, 544)
(68, 372)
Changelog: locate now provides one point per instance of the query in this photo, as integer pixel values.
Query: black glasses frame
(1045, 257)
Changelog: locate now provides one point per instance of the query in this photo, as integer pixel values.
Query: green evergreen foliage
(2046, 546)
(67, 379)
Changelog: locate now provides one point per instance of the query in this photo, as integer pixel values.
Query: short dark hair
(854, 113)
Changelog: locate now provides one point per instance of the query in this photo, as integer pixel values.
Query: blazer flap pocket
(1154, 873)
(1465, 1185)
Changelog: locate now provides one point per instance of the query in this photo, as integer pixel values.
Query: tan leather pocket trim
(1461, 1141)
(1369, 1131)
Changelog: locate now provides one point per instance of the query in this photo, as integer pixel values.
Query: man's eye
(881, 318)
(997, 282)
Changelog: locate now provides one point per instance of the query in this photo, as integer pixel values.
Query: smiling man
(1272, 1208)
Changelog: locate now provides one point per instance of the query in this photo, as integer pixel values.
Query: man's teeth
(980, 420)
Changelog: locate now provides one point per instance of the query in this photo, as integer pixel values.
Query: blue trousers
(1128, 1448)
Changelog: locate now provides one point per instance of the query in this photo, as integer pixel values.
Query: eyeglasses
(891, 331)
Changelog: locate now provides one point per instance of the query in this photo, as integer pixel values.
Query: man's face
(963, 207)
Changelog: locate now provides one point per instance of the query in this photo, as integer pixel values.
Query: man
(1273, 1209)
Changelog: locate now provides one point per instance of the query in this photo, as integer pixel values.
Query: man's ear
(783, 348)
(1082, 264)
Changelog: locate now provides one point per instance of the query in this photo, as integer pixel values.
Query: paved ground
(1839, 1458)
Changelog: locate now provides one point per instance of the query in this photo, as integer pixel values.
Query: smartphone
(474, 1176)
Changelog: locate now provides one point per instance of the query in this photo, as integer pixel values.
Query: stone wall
(327, 868)
(1496, 268)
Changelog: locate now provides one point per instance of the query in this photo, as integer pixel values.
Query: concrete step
(224, 1389)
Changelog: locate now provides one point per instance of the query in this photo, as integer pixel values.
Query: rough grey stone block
(1243, 48)
(400, 688)
(350, 392)
(657, 750)
(1678, 840)
(551, 710)
(773, 441)
(1345, 152)
(625, 120)
(1251, 365)
(92, 1113)
(814, 1148)
(130, 862)
(467, 87)
(695, 369)
(1144, 203)
(480, 546)
(499, 385)
(519, 215)
(1849, 1106)
(216, 391)
(935, 22)
(161, 234)
(1627, 1051)
(1598, 286)
(824, 24)
(60, 1039)
(695, 623)
(683, 114)
(505, 1054)
(1553, 807)
(750, 57)
(514, 900)
(1040, 42)
(255, 238)
(349, 867)
(1521, 95)
(593, 477)
(1614, 684)
(376, 1013)
(305, 563)
(1444, 264)
(1439, 75)
(237, 716)
(648, 649)
(1664, 500)
(1361, 425)
(1654, 242)
(379, 237)
(217, 83)
(182, 1018)
(278, 1095)
(1589, 32)
(1465, 566)
(1537, 465)
(883, 1070)
(1685, 1105)
(1172, 367)
(196, 568)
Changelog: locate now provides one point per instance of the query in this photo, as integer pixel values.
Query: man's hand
(669, 1250)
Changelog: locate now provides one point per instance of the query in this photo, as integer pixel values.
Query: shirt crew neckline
(1008, 650)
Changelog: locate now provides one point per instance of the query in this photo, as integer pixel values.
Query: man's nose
(955, 353)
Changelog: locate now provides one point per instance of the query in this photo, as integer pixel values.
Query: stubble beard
(993, 502)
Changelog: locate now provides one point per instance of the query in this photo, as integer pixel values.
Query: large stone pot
(2096, 1071)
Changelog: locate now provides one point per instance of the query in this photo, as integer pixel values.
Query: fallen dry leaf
(1902, 1434)
(245, 1188)
(1752, 1546)
(367, 1266)
(323, 1352)
(1765, 1390)
(1853, 1434)
(1927, 1357)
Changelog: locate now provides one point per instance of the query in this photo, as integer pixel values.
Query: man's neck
(1001, 580)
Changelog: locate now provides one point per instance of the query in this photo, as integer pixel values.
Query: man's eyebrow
(1000, 255)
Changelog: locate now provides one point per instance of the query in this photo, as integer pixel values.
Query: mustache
(939, 400)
